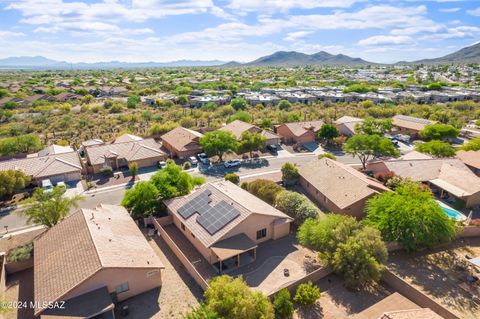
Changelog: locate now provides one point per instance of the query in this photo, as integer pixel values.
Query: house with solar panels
(225, 224)
(409, 125)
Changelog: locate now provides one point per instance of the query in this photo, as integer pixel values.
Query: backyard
(441, 273)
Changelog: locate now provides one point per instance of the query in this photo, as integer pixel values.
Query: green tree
(327, 133)
(234, 178)
(284, 105)
(435, 86)
(360, 260)
(296, 206)
(264, 189)
(436, 148)
(218, 143)
(251, 142)
(290, 174)
(201, 312)
(49, 208)
(282, 304)
(142, 200)
(232, 298)
(242, 116)
(373, 126)
(307, 294)
(472, 145)
(325, 234)
(410, 216)
(12, 181)
(239, 103)
(133, 168)
(172, 181)
(439, 131)
(367, 147)
(133, 101)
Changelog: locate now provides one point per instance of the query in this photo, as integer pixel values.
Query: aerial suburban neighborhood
(295, 185)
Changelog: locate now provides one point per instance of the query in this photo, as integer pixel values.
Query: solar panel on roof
(196, 205)
(217, 217)
(413, 119)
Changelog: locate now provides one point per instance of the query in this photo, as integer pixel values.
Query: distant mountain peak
(291, 58)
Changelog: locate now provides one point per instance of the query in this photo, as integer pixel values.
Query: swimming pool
(452, 213)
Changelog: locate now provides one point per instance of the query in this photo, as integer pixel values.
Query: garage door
(69, 177)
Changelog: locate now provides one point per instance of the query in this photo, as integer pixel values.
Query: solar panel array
(212, 218)
(217, 217)
(413, 119)
(196, 205)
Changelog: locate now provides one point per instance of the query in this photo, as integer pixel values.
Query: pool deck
(461, 218)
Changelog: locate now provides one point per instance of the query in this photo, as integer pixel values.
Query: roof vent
(93, 216)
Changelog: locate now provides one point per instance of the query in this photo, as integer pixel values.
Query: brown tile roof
(127, 138)
(82, 244)
(131, 151)
(348, 119)
(183, 139)
(413, 155)
(300, 128)
(45, 166)
(340, 183)
(470, 158)
(238, 127)
(451, 171)
(410, 122)
(391, 303)
(246, 203)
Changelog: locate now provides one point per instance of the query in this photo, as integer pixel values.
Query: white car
(47, 185)
(232, 163)
(193, 160)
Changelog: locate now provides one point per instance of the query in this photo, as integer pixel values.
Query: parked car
(232, 163)
(193, 160)
(203, 158)
(272, 148)
(47, 185)
(161, 164)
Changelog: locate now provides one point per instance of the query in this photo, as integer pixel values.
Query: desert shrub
(307, 294)
(21, 253)
(264, 189)
(234, 178)
(282, 304)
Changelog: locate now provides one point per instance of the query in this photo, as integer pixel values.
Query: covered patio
(234, 252)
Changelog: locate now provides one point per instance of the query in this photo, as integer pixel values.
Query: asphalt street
(15, 219)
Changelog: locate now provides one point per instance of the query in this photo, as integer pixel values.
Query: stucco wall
(191, 152)
(288, 136)
(137, 279)
(204, 251)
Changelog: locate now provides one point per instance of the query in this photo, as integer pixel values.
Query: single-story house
(53, 150)
(446, 177)
(299, 132)
(144, 152)
(471, 159)
(346, 125)
(127, 138)
(337, 187)
(90, 260)
(182, 142)
(403, 124)
(238, 127)
(64, 167)
(225, 223)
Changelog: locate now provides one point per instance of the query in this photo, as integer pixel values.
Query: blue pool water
(452, 213)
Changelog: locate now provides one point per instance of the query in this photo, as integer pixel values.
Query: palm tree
(49, 208)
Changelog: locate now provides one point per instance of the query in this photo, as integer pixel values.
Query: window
(183, 226)
(261, 233)
(122, 288)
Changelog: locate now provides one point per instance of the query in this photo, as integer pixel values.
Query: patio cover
(233, 246)
(475, 261)
(452, 189)
(88, 305)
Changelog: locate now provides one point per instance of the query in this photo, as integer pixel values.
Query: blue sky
(241, 30)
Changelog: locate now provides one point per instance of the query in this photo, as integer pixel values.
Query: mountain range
(469, 54)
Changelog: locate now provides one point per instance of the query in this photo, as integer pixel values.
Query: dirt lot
(439, 273)
(337, 302)
(178, 294)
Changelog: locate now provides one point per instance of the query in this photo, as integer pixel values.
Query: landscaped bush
(296, 206)
(187, 165)
(20, 253)
(282, 304)
(327, 155)
(264, 189)
(307, 294)
(234, 178)
(290, 174)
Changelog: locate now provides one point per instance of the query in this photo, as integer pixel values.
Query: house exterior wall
(473, 200)
(280, 231)
(138, 282)
(190, 152)
(67, 177)
(344, 130)
(404, 130)
(273, 141)
(355, 210)
(146, 162)
(288, 136)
